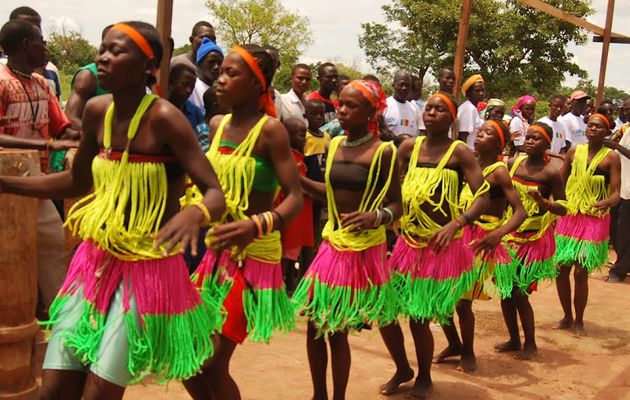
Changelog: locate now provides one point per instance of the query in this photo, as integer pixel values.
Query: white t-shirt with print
(559, 138)
(468, 120)
(402, 118)
(575, 129)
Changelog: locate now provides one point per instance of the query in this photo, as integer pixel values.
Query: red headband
(265, 102)
(449, 103)
(375, 95)
(602, 116)
(496, 126)
(142, 44)
(542, 131)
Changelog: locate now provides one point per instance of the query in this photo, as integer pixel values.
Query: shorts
(113, 348)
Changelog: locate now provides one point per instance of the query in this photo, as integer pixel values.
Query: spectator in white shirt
(468, 119)
(402, 116)
(556, 107)
(574, 124)
(209, 60)
(293, 101)
(522, 117)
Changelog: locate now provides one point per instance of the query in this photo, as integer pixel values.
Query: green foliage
(181, 50)
(69, 51)
(263, 22)
(516, 48)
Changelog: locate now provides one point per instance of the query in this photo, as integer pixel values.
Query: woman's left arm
(180, 138)
(614, 171)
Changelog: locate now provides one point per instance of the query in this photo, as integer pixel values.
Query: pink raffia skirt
(252, 292)
(429, 285)
(583, 239)
(344, 290)
(496, 271)
(535, 260)
(168, 322)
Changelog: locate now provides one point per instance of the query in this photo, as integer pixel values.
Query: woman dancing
(593, 176)
(485, 236)
(431, 263)
(535, 180)
(251, 154)
(127, 308)
(348, 285)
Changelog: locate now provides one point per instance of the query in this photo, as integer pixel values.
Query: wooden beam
(565, 16)
(604, 63)
(163, 25)
(462, 40)
(620, 40)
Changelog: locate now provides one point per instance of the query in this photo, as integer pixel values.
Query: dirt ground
(592, 367)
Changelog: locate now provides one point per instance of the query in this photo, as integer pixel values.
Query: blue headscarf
(207, 46)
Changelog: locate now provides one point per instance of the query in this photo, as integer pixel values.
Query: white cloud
(336, 26)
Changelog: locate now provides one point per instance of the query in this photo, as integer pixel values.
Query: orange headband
(366, 92)
(496, 126)
(265, 102)
(542, 131)
(449, 103)
(137, 38)
(602, 116)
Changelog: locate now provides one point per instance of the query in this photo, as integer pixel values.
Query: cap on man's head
(578, 95)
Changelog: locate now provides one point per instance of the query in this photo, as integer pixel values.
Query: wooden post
(163, 25)
(18, 280)
(605, 47)
(462, 40)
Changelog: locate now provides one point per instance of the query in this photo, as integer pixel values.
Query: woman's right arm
(73, 183)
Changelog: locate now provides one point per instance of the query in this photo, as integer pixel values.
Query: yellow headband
(471, 81)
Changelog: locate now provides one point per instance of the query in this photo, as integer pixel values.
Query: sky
(336, 26)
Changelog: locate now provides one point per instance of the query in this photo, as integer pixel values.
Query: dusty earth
(592, 367)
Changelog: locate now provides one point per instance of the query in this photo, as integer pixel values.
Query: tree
(181, 50)
(69, 51)
(516, 48)
(263, 22)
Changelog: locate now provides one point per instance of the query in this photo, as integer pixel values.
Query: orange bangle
(269, 217)
(258, 224)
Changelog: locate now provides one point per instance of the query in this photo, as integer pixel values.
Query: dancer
(536, 180)
(250, 151)
(348, 285)
(431, 263)
(127, 308)
(485, 236)
(592, 174)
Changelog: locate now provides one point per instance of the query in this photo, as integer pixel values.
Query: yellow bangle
(50, 141)
(269, 216)
(206, 214)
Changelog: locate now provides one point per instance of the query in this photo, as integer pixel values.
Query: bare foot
(398, 379)
(527, 353)
(578, 330)
(447, 353)
(468, 363)
(507, 347)
(564, 324)
(420, 390)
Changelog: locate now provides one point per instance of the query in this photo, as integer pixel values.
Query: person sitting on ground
(209, 59)
(200, 30)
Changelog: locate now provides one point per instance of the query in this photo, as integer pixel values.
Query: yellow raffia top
(486, 222)
(236, 172)
(341, 238)
(127, 205)
(419, 188)
(533, 221)
(584, 188)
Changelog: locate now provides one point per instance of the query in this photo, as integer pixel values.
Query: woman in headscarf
(348, 283)
(522, 116)
(495, 110)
